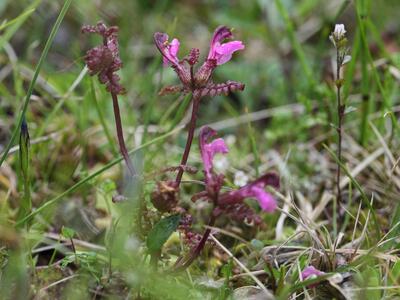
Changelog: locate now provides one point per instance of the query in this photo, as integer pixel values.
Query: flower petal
(266, 201)
(173, 49)
(254, 189)
(161, 41)
(208, 150)
(220, 34)
(224, 52)
(310, 272)
(217, 146)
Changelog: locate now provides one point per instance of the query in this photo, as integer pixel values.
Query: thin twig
(340, 112)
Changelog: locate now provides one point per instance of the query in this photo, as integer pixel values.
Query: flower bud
(165, 196)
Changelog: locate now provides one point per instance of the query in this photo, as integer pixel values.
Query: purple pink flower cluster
(232, 202)
(200, 84)
(218, 54)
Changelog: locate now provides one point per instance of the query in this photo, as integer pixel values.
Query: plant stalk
(340, 112)
(120, 135)
(192, 126)
(180, 266)
(24, 159)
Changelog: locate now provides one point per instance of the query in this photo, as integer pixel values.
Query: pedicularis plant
(199, 83)
(104, 61)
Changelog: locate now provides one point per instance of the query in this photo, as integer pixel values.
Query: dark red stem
(120, 135)
(180, 266)
(189, 141)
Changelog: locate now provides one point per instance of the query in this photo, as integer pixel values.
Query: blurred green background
(270, 66)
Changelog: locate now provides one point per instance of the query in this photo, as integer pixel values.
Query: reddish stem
(179, 265)
(120, 135)
(189, 141)
(182, 264)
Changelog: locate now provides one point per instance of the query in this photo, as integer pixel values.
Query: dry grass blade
(267, 293)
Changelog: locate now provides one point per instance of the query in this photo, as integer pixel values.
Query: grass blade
(295, 43)
(16, 23)
(359, 188)
(42, 58)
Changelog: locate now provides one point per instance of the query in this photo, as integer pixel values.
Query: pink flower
(169, 52)
(311, 272)
(256, 190)
(208, 149)
(172, 50)
(219, 54)
(232, 200)
(222, 53)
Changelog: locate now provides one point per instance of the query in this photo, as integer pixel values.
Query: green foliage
(67, 232)
(35, 76)
(161, 231)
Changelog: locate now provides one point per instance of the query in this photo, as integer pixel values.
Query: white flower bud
(240, 179)
(339, 32)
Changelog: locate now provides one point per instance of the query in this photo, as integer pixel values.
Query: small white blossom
(338, 34)
(230, 139)
(221, 163)
(240, 179)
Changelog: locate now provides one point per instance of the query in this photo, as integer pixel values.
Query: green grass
(71, 177)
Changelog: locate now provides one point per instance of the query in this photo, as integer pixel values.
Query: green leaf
(67, 232)
(161, 232)
(226, 270)
(371, 278)
(257, 244)
(394, 277)
(12, 26)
